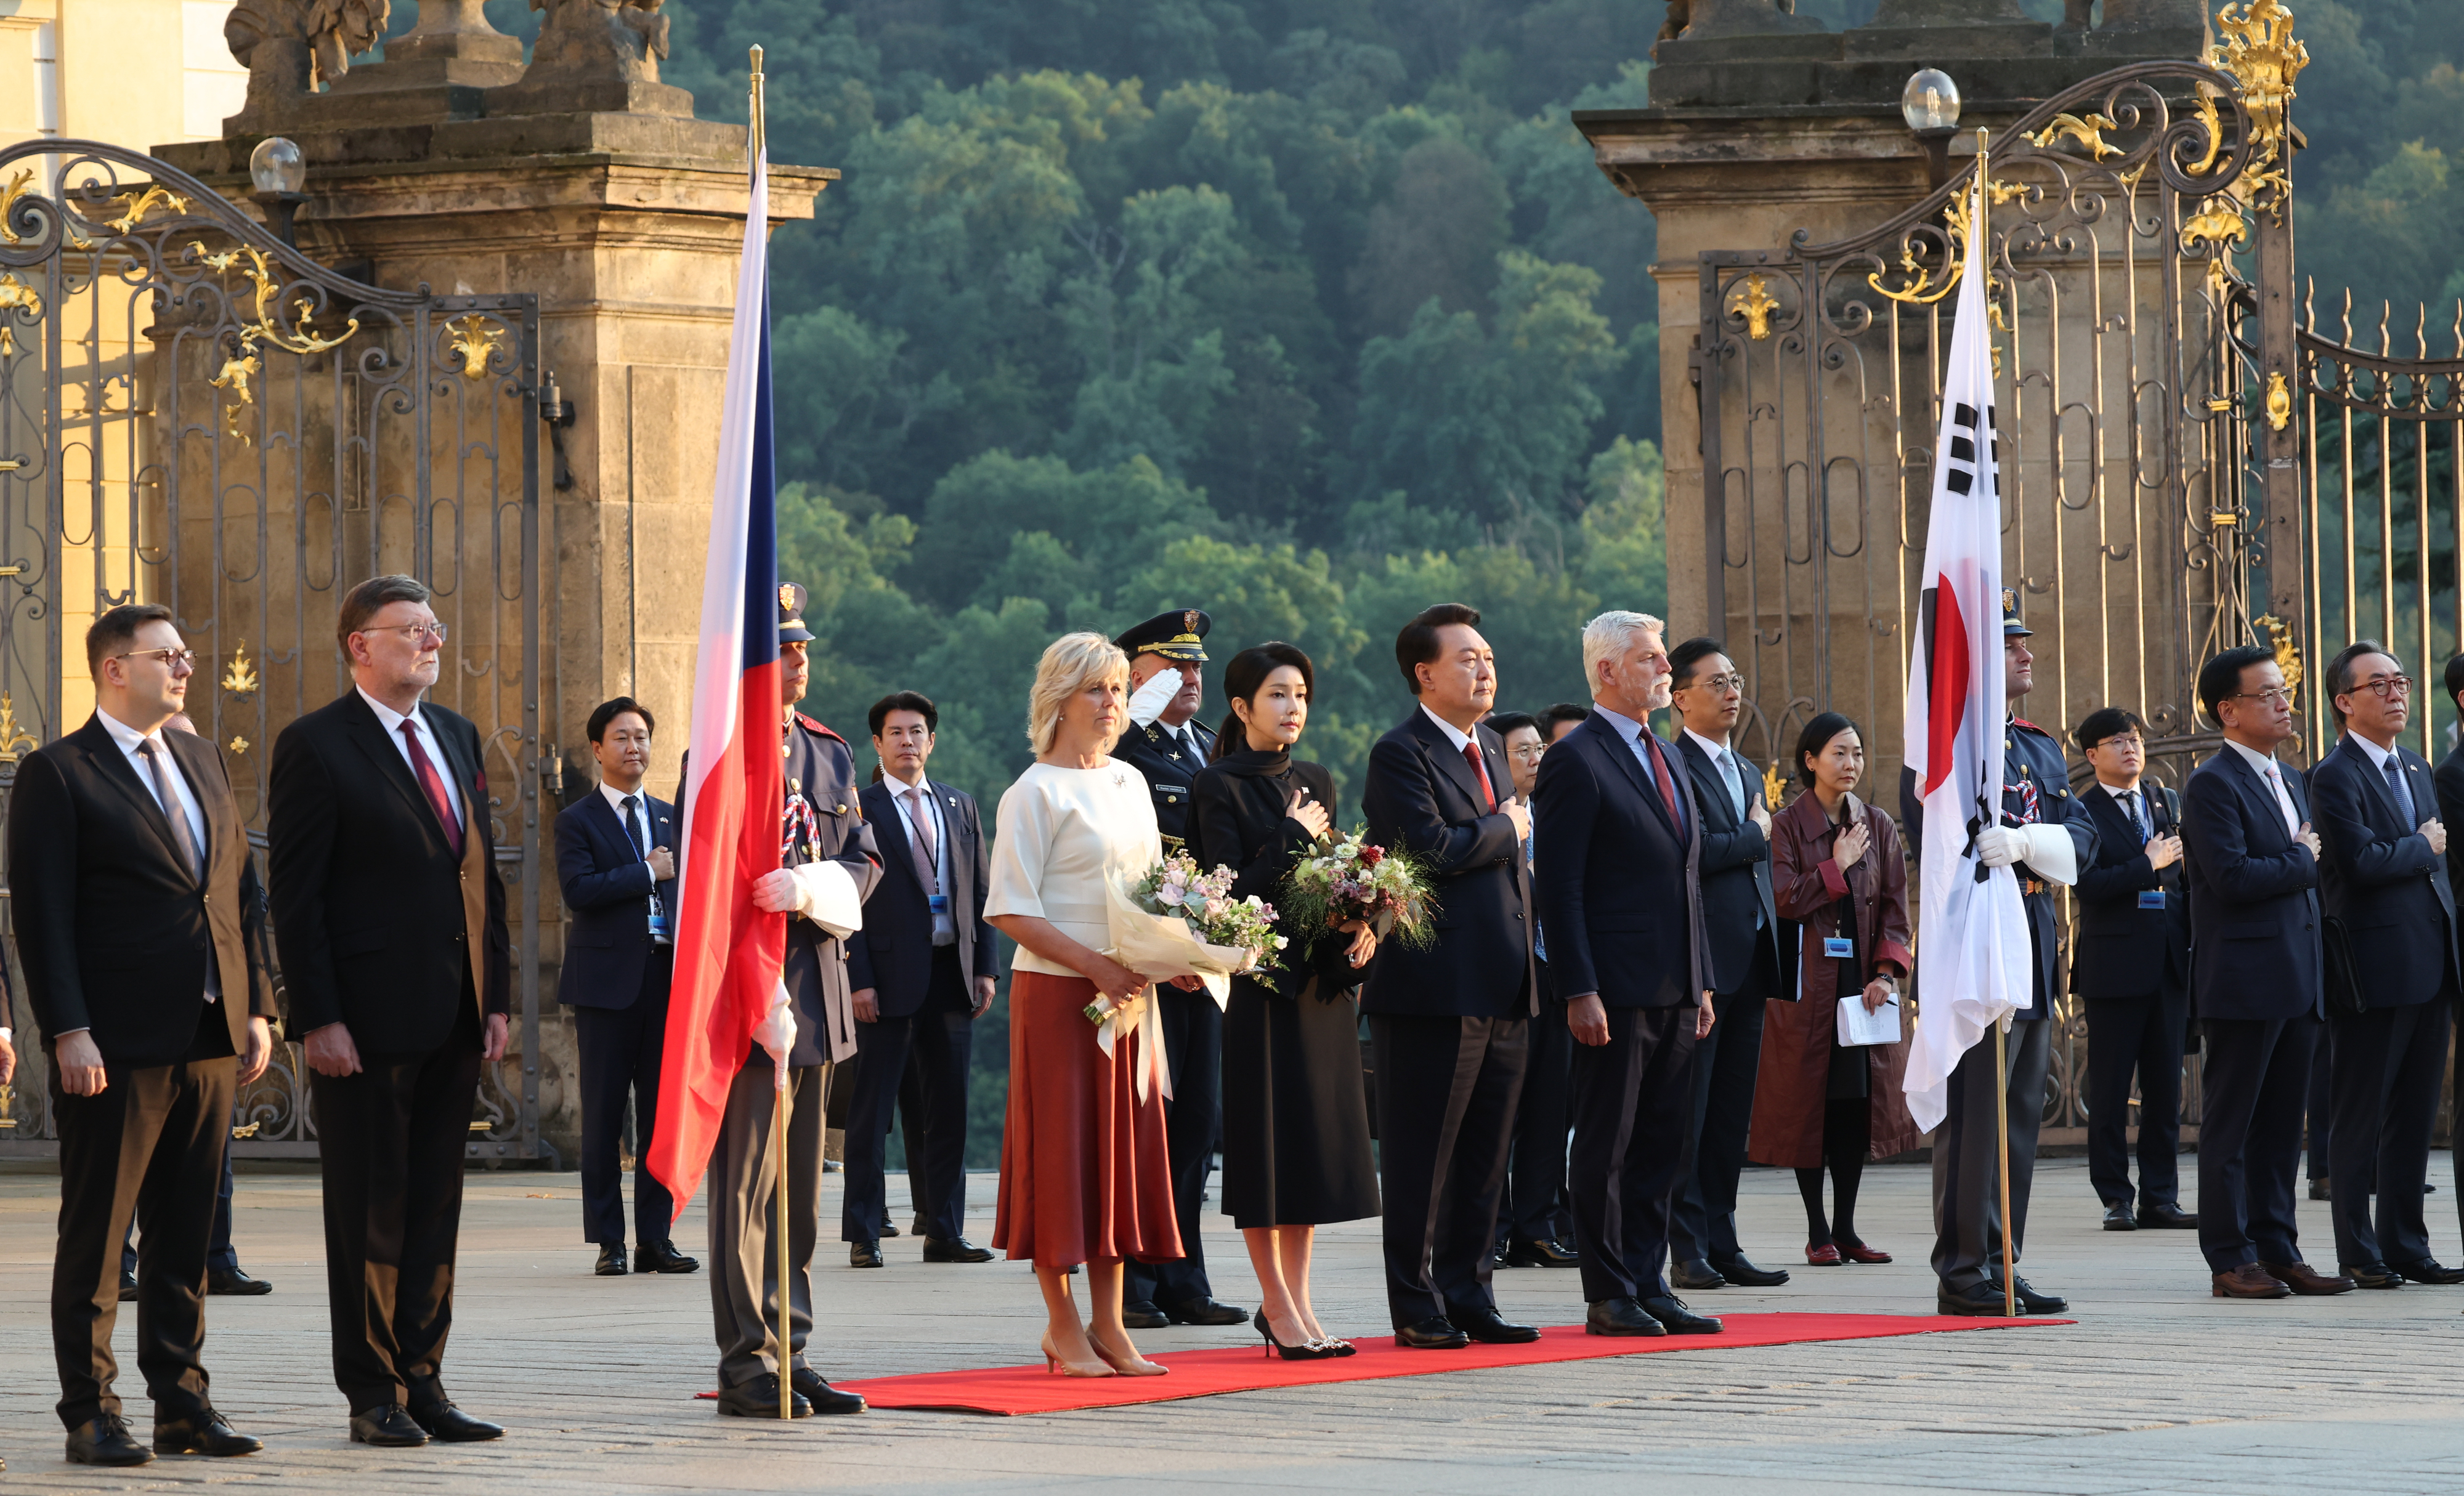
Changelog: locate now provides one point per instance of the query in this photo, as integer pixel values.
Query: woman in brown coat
(1837, 872)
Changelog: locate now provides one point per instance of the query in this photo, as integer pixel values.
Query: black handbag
(2342, 981)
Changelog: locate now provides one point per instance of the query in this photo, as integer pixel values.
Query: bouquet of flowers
(1351, 879)
(1178, 921)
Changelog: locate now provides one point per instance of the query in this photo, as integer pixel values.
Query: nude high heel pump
(1052, 1361)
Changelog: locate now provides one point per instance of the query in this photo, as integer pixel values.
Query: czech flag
(729, 954)
(1972, 928)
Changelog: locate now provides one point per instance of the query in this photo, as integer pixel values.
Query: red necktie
(1479, 772)
(421, 767)
(1659, 776)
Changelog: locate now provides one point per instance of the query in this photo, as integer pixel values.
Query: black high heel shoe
(1298, 1353)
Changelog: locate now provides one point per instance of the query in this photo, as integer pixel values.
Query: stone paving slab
(2159, 1388)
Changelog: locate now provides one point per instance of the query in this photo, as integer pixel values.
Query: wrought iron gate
(193, 414)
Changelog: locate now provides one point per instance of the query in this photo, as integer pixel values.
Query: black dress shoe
(2031, 1302)
(2118, 1218)
(1486, 1326)
(2372, 1275)
(2428, 1270)
(103, 1440)
(388, 1426)
(825, 1397)
(128, 1287)
(958, 1249)
(232, 1281)
(1620, 1317)
(1541, 1253)
(204, 1434)
(1433, 1333)
(2167, 1217)
(611, 1260)
(1746, 1275)
(1977, 1301)
(433, 1410)
(1696, 1277)
(758, 1398)
(887, 1229)
(864, 1254)
(2322, 1188)
(1142, 1315)
(1671, 1311)
(916, 1227)
(662, 1256)
(1202, 1311)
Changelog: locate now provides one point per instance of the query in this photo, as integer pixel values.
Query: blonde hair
(1610, 635)
(1070, 664)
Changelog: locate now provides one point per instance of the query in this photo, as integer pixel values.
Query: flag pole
(2002, 1025)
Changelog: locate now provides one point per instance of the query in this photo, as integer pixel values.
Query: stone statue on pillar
(290, 47)
(594, 55)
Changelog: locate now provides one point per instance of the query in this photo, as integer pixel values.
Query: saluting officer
(2045, 836)
(828, 866)
(1169, 749)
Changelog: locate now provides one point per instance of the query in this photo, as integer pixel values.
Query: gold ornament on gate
(1753, 302)
(240, 680)
(2280, 402)
(477, 341)
(2088, 132)
(2288, 649)
(11, 735)
(138, 205)
(15, 296)
(2258, 47)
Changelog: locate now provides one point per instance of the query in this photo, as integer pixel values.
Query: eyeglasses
(2132, 743)
(414, 633)
(1530, 751)
(1718, 685)
(2273, 696)
(2383, 687)
(173, 659)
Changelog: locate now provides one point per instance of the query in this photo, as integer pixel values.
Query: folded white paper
(1859, 1028)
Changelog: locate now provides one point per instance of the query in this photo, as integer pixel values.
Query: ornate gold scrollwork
(2217, 223)
(260, 272)
(15, 296)
(17, 188)
(240, 680)
(239, 745)
(2288, 649)
(12, 737)
(1753, 302)
(138, 204)
(477, 341)
(233, 381)
(2088, 132)
(1772, 784)
(2280, 402)
(2260, 49)
(1922, 291)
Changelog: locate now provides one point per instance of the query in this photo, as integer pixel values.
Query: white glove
(2050, 850)
(1148, 702)
(2000, 847)
(777, 1031)
(827, 895)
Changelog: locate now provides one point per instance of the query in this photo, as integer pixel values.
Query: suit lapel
(196, 759)
(1630, 759)
(1449, 762)
(1704, 773)
(369, 734)
(103, 750)
(890, 834)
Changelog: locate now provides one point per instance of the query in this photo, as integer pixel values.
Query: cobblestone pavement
(2158, 1388)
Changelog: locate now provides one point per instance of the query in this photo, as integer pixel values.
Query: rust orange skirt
(1086, 1174)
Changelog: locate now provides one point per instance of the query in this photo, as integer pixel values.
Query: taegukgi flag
(729, 954)
(1972, 929)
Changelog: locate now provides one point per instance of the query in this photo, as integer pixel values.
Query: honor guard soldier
(828, 866)
(1169, 746)
(2044, 837)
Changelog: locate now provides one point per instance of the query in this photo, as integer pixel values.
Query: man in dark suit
(616, 866)
(1751, 964)
(2132, 968)
(2383, 880)
(1448, 1023)
(391, 921)
(828, 866)
(1168, 747)
(1620, 896)
(2255, 976)
(1534, 1226)
(922, 971)
(2448, 785)
(137, 918)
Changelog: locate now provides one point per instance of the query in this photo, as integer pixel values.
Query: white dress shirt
(1455, 735)
(945, 928)
(2265, 766)
(640, 799)
(391, 720)
(1732, 771)
(2381, 758)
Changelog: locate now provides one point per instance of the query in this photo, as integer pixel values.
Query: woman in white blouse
(1085, 1174)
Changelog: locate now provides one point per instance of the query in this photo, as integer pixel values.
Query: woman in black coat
(1297, 1152)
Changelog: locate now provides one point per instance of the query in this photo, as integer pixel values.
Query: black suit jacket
(2379, 877)
(1620, 885)
(2255, 950)
(115, 932)
(608, 888)
(2448, 784)
(2127, 952)
(893, 954)
(1735, 867)
(380, 926)
(1420, 796)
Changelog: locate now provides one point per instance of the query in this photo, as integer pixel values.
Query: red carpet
(1012, 1390)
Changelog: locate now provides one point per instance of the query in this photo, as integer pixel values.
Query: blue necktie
(2396, 787)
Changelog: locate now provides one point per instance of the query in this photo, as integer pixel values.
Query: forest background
(1308, 313)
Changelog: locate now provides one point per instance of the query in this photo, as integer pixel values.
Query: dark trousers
(390, 1146)
(2321, 1105)
(1534, 1208)
(220, 1255)
(149, 1146)
(620, 1061)
(2251, 1089)
(2141, 1035)
(2387, 1064)
(1967, 1246)
(1446, 1095)
(910, 1127)
(935, 1043)
(1702, 1213)
(1193, 1050)
(1632, 1098)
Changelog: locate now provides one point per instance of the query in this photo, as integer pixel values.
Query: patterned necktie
(1479, 772)
(2396, 787)
(182, 838)
(2139, 817)
(1659, 776)
(924, 845)
(425, 771)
